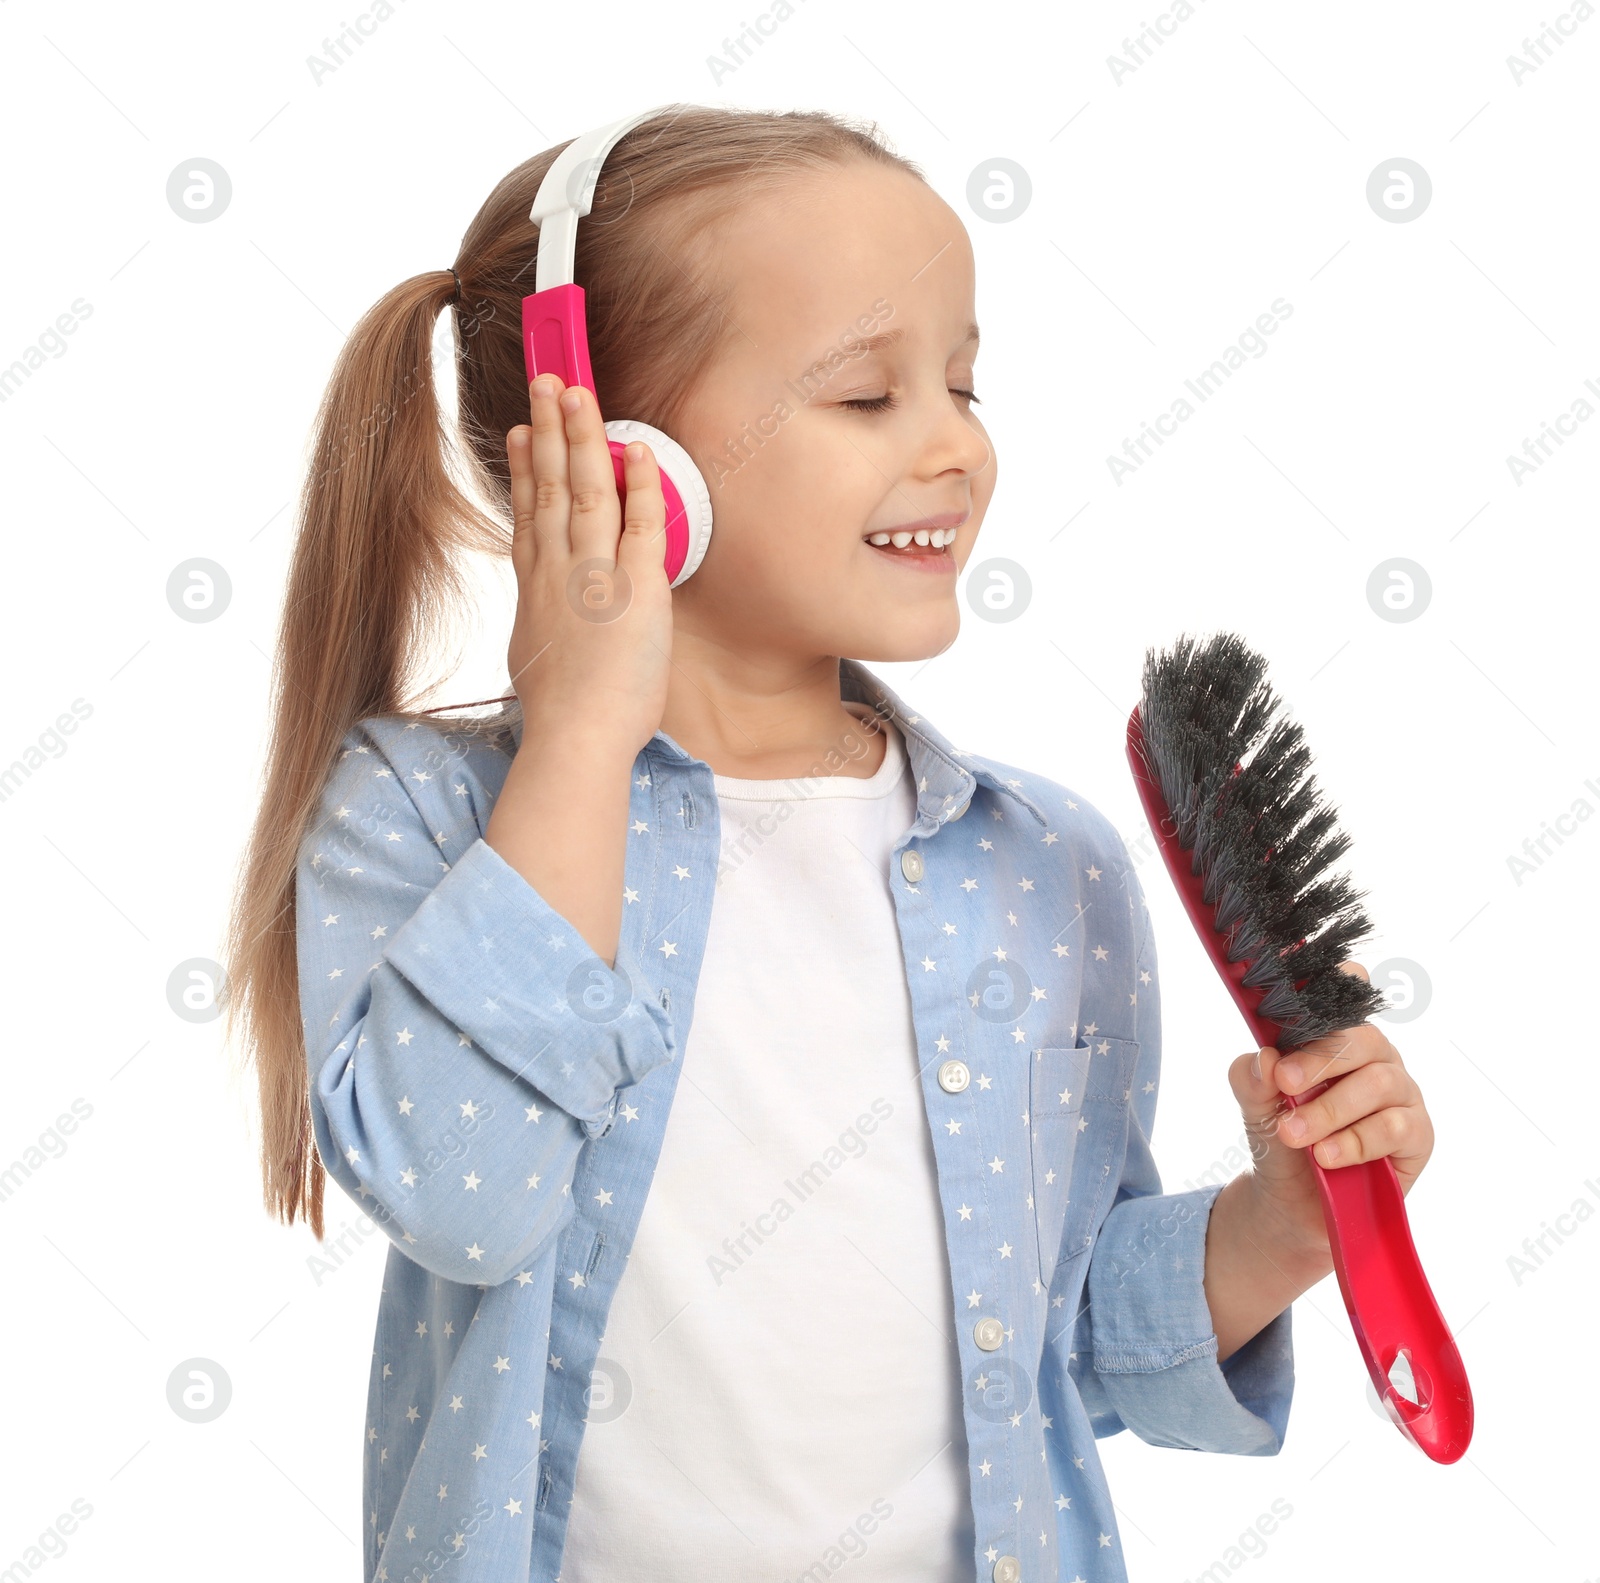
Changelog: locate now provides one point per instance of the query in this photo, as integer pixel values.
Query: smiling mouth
(927, 545)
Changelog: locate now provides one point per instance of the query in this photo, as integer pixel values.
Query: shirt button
(989, 1333)
(911, 864)
(956, 813)
(954, 1076)
(1007, 1570)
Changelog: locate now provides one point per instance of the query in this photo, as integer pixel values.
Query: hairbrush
(1249, 841)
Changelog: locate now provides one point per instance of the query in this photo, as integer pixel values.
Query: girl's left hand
(1370, 1109)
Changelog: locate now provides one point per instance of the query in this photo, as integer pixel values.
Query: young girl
(755, 1089)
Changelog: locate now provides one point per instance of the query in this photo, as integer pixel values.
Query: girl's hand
(592, 641)
(1371, 1108)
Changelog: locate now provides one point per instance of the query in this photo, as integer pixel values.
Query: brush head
(1258, 834)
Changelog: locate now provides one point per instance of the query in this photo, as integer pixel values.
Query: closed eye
(884, 403)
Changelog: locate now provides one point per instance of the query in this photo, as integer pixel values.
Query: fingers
(537, 456)
(592, 479)
(641, 549)
(1332, 1056)
(1402, 1132)
(519, 458)
(1261, 1102)
(1369, 1113)
(549, 492)
(564, 488)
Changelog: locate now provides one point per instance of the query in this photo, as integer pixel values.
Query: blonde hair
(375, 576)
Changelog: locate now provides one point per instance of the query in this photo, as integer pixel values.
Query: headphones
(555, 340)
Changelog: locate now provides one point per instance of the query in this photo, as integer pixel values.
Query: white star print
(505, 979)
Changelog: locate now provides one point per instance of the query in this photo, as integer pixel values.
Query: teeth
(935, 538)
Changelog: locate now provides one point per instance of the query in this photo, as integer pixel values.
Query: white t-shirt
(784, 1317)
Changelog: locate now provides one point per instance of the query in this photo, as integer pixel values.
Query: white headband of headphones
(566, 195)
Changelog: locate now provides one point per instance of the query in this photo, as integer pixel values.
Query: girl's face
(838, 409)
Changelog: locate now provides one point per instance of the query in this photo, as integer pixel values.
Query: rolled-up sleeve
(1146, 1328)
(463, 1040)
(1154, 1349)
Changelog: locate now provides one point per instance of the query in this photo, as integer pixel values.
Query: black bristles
(1262, 841)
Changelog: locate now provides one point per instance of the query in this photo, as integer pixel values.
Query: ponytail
(373, 579)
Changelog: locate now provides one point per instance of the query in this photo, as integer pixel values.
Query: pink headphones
(555, 339)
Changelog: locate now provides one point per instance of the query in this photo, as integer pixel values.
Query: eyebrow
(885, 338)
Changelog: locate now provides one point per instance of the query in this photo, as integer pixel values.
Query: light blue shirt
(475, 1070)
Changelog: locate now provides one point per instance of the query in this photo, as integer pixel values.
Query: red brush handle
(1386, 1294)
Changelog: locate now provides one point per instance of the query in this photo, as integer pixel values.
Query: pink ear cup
(555, 339)
(683, 488)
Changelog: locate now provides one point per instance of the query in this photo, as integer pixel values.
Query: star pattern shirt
(495, 1099)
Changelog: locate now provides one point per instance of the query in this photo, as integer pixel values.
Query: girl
(755, 1089)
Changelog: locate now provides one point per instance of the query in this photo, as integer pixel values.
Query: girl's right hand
(592, 642)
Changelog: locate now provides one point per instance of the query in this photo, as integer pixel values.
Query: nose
(955, 441)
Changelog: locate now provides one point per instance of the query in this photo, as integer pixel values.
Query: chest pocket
(1077, 1134)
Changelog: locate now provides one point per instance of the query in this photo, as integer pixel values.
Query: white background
(1166, 213)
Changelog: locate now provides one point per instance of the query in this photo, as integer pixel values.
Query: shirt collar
(946, 776)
